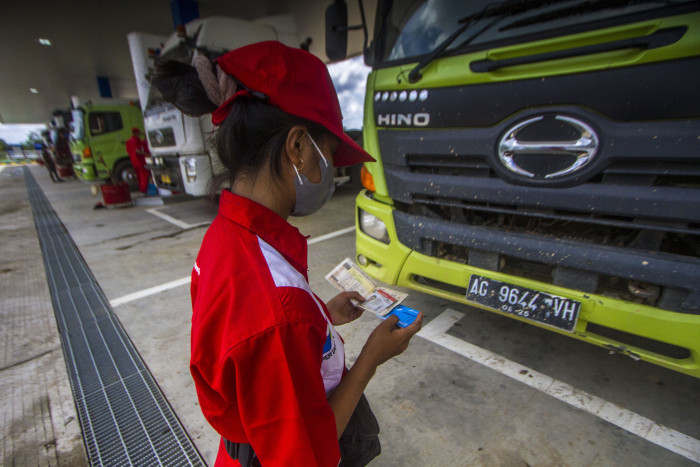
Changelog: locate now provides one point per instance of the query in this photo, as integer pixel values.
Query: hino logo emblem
(544, 158)
(417, 119)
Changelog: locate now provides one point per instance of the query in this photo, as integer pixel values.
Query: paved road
(474, 388)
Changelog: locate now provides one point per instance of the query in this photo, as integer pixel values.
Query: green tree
(32, 138)
(3, 147)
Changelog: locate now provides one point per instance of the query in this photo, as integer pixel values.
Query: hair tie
(220, 86)
(220, 114)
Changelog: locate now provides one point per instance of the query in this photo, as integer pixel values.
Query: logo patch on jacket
(329, 345)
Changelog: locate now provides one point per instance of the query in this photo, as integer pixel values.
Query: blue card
(405, 314)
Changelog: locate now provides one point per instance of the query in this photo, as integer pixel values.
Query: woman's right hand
(387, 340)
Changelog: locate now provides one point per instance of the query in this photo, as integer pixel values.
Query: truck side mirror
(337, 30)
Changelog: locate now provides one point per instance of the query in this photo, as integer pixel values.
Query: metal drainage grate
(124, 416)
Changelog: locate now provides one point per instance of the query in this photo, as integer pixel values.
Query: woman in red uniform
(268, 364)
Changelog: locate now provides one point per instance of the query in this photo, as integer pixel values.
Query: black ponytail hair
(252, 133)
(180, 85)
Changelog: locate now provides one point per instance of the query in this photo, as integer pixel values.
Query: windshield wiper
(497, 11)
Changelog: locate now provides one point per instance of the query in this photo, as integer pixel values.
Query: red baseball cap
(295, 81)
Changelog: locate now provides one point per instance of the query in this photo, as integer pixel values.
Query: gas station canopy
(54, 50)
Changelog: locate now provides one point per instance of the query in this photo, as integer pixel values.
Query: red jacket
(264, 354)
(134, 144)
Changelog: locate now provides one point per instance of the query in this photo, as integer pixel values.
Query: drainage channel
(124, 416)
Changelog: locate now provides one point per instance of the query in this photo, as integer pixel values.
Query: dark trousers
(359, 443)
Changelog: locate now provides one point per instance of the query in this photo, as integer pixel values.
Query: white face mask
(310, 197)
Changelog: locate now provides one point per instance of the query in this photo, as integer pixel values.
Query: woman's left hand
(341, 308)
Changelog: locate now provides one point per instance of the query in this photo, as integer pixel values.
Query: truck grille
(162, 137)
(680, 174)
(448, 189)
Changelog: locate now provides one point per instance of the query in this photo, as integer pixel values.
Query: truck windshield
(409, 29)
(77, 131)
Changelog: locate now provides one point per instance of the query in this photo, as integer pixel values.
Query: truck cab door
(107, 139)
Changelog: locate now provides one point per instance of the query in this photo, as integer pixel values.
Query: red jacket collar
(269, 226)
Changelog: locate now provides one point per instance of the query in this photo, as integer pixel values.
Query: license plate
(527, 303)
(165, 178)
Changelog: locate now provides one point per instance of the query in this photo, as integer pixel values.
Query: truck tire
(124, 171)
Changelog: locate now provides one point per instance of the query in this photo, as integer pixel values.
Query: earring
(301, 182)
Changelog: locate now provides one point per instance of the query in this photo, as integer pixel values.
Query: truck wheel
(124, 171)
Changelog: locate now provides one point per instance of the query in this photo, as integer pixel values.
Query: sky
(16, 134)
(349, 78)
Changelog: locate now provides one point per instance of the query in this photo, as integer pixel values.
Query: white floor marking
(670, 439)
(327, 236)
(186, 280)
(150, 291)
(172, 220)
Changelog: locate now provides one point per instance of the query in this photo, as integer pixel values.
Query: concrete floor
(436, 406)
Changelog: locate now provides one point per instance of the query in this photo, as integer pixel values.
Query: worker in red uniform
(137, 148)
(266, 358)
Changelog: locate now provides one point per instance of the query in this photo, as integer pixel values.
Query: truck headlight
(373, 226)
(191, 169)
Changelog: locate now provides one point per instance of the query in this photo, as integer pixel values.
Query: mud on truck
(541, 160)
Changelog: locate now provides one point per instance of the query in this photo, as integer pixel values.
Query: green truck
(99, 132)
(541, 160)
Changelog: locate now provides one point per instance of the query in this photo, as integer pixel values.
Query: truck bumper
(666, 338)
(189, 174)
(85, 172)
(166, 173)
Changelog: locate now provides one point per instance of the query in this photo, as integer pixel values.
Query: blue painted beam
(104, 86)
(184, 11)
